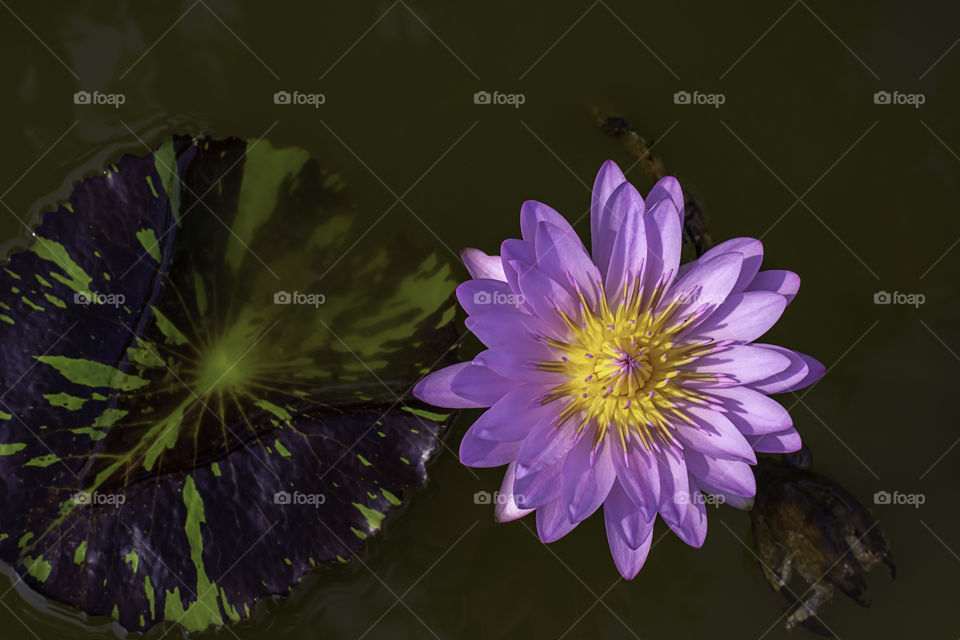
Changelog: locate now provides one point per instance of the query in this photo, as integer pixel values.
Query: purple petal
(543, 296)
(639, 474)
(482, 266)
(751, 411)
(512, 417)
(564, 259)
(729, 476)
(478, 452)
(752, 251)
(604, 222)
(504, 327)
(545, 445)
(693, 528)
(518, 361)
(532, 213)
(735, 501)
(786, 283)
(516, 256)
(485, 295)
(587, 477)
(743, 317)
(674, 489)
(667, 188)
(706, 285)
(741, 364)
(802, 372)
(628, 558)
(481, 385)
(435, 389)
(537, 488)
(714, 435)
(627, 244)
(622, 515)
(786, 441)
(629, 561)
(664, 238)
(506, 508)
(552, 521)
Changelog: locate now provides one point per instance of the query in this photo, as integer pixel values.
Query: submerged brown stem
(653, 168)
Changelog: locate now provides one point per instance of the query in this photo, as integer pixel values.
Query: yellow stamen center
(625, 367)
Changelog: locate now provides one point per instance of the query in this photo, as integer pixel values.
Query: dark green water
(879, 185)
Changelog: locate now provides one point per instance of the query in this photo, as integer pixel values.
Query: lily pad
(202, 383)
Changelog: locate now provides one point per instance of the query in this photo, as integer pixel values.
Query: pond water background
(856, 197)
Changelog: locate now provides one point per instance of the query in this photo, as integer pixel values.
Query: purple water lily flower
(623, 379)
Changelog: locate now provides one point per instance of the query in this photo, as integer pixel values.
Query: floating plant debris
(808, 526)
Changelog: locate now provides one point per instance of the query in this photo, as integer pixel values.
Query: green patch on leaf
(64, 400)
(43, 461)
(92, 374)
(374, 517)
(38, 567)
(80, 553)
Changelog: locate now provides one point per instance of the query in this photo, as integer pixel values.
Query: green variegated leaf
(203, 385)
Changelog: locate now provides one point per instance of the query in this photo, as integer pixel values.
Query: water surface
(856, 197)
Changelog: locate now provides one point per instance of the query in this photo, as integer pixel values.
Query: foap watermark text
(497, 298)
(97, 98)
(298, 297)
(86, 298)
(297, 498)
(897, 297)
(712, 99)
(897, 498)
(485, 497)
(299, 98)
(95, 498)
(700, 498)
(896, 97)
(512, 99)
